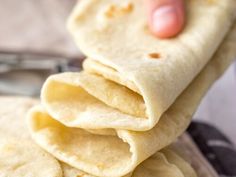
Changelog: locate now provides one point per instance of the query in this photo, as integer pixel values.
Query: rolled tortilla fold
(101, 155)
(20, 156)
(165, 163)
(114, 36)
(114, 152)
(77, 99)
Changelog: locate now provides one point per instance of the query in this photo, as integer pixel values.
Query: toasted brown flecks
(115, 11)
(128, 8)
(154, 55)
(110, 11)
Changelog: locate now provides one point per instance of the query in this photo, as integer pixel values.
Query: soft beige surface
(115, 34)
(19, 155)
(24, 159)
(114, 154)
(69, 171)
(41, 29)
(165, 163)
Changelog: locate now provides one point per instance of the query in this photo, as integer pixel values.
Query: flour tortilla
(94, 98)
(22, 158)
(13, 112)
(69, 171)
(125, 149)
(19, 155)
(114, 34)
(100, 155)
(165, 163)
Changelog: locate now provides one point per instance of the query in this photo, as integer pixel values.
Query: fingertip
(167, 20)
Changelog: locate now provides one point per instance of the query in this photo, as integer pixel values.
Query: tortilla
(165, 163)
(137, 93)
(115, 37)
(114, 152)
(19, 155)
(24, 159)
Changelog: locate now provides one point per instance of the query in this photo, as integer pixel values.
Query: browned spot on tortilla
(115, 11)
(128, 8)
(154, 55)
(110, 11)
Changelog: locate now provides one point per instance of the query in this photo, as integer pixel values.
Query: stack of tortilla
(137, 93)
(21, 157)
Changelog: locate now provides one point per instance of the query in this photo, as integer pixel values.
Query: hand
(165, 17)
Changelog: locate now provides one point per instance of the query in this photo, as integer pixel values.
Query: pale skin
(166, 18)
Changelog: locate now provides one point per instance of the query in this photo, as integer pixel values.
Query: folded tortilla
(115, 37)
(113, 152)
(165, 163)
(137, 93)
(21, 157)
(77, 148)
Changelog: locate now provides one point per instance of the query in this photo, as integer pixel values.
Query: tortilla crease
(115, 37)
(56, 127)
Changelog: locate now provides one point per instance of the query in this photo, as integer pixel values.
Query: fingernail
(164, 17)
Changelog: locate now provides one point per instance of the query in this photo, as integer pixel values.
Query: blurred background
(34, 43)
